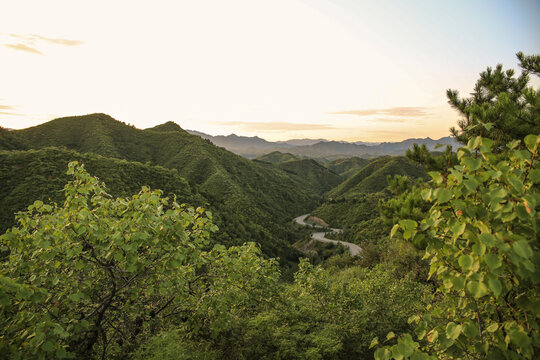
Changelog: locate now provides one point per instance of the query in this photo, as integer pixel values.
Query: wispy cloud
(23, 47)
(390, 120)
(7, 110)
(10, 113)
(31, 42)
(274, 126)
(65, 42)
(396, 111)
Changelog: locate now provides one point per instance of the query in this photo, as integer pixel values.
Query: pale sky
(280, 69)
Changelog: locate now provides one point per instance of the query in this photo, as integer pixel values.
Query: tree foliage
(502, 107)
(483, 244)
(95, 276)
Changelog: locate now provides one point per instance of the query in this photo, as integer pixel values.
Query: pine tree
(502, 107)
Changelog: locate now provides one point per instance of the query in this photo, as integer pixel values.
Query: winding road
(320, 236)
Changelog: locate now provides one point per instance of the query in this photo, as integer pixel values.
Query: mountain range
(320, 149)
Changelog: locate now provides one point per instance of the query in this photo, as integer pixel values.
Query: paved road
(320, 236)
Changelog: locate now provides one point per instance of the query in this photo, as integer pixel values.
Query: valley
(126, 243)
(321, 236)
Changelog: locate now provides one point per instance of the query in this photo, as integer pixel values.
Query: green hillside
(307, 173)
(347, 167)
(32, 175)
(252, 200)
(276, 157)
(372, 177)
(311, 175)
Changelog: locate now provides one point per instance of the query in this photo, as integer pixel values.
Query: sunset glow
(280, 69)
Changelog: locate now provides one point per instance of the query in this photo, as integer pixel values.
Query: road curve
(320, 236)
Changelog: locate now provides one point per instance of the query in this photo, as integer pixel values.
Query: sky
(342, 70)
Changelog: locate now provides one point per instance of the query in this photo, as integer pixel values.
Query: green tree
(502, 107)
(96, 276)
(483, 243)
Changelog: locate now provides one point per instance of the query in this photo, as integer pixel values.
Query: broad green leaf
(523, 249)
(530, 141)
(436, 176)
(520, 338)
(470, 330)
(443, 195)
(479, 249)
(493, 261)
(471, 184)
(492, 328)
(394, 229)
(495, 286)
(488, 127)
(382, 354)
(516, 184)
(465, 261)
(402, 350)
(408, 224)
(458, 282)
(453, 330)
(477, 289)
(487, 239)
(534, 175)
(426, 194)
(471, 163)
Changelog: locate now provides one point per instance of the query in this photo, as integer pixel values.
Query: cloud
(275, 126)
(390, 120)
(30, 42)
(8, 111)
(64, 42)
(396, 111)
(23, 47)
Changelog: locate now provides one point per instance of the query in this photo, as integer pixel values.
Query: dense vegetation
(372, 177)
(307, 173)
(252, 202)
(449, 267)
(346, 167)
(481, 230)
(276, 157)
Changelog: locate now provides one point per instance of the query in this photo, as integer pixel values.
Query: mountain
(372, 177)
(30, 175)
(249, 147)
(347, 167)
(311, 174)
(277, 157)
(306, 172)
(321, 149)
(253, 201)
(352, 205)
(300, 142)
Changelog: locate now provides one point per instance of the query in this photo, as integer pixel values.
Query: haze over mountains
(321, 149)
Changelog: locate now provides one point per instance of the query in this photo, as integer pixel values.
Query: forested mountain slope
(347, 167)
(372, 177)
(277, 157)
(253, 199)
(307, 173)
(31, 175)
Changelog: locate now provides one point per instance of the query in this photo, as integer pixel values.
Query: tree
(483, 233)
(502, 107)
(96, 276)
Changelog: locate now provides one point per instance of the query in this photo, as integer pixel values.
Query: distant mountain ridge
(252, 147)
